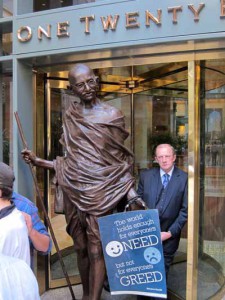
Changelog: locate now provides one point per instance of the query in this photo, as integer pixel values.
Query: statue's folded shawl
(95, 173)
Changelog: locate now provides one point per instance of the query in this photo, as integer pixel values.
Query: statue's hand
(29, 156)
(135, 203)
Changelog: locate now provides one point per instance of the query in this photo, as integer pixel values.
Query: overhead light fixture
(131, 84)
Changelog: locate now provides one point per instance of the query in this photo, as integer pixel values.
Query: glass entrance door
(57, 100)
(157, 104)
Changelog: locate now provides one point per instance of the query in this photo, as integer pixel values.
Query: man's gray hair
(163, 145)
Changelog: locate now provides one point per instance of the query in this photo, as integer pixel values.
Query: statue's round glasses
(82, 85)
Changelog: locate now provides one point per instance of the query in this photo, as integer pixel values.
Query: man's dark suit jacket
(174, 213)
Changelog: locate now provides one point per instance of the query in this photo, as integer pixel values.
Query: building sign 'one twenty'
(112, 23)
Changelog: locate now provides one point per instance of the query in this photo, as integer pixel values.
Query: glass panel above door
(159, 112)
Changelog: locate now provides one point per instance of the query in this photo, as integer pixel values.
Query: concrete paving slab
(64, 294)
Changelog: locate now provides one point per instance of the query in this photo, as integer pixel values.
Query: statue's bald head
(78, 69)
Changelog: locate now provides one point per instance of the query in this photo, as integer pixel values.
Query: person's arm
(131, 194)
(40, 241)
(30, 157)
(140, 189)
(34, 222)
(135, 201)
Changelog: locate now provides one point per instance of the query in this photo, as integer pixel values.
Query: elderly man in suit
(165, 189)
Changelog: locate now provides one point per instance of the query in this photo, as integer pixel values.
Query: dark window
(40, 5)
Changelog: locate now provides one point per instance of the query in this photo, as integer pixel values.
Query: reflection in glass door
(160, 111)
(58, 100)
(211, 256)
(161, 116)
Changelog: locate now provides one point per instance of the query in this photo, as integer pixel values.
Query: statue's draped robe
(95, 173)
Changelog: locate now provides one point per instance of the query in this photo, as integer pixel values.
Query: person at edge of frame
(17, 280)
(38, 235)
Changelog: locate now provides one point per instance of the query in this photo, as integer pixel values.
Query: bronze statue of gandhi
(95, 175)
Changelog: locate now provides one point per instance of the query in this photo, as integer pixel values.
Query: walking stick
(44, 209)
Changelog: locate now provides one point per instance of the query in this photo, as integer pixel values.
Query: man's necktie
(166, 178)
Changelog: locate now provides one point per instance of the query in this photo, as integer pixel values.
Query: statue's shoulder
(112, 110)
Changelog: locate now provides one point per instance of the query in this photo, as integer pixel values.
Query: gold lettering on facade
(222, 8)
(131, 20)
(196, 12)
(62, 29)
(24, 34)
(110, 22)
(42, 31)
(87, 20)
(174, 10)
(149, 17)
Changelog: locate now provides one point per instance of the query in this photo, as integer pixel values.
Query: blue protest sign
(133, 253)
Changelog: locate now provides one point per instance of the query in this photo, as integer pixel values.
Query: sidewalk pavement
(64, 294)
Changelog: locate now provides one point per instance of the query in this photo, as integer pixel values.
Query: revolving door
(157, 101)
